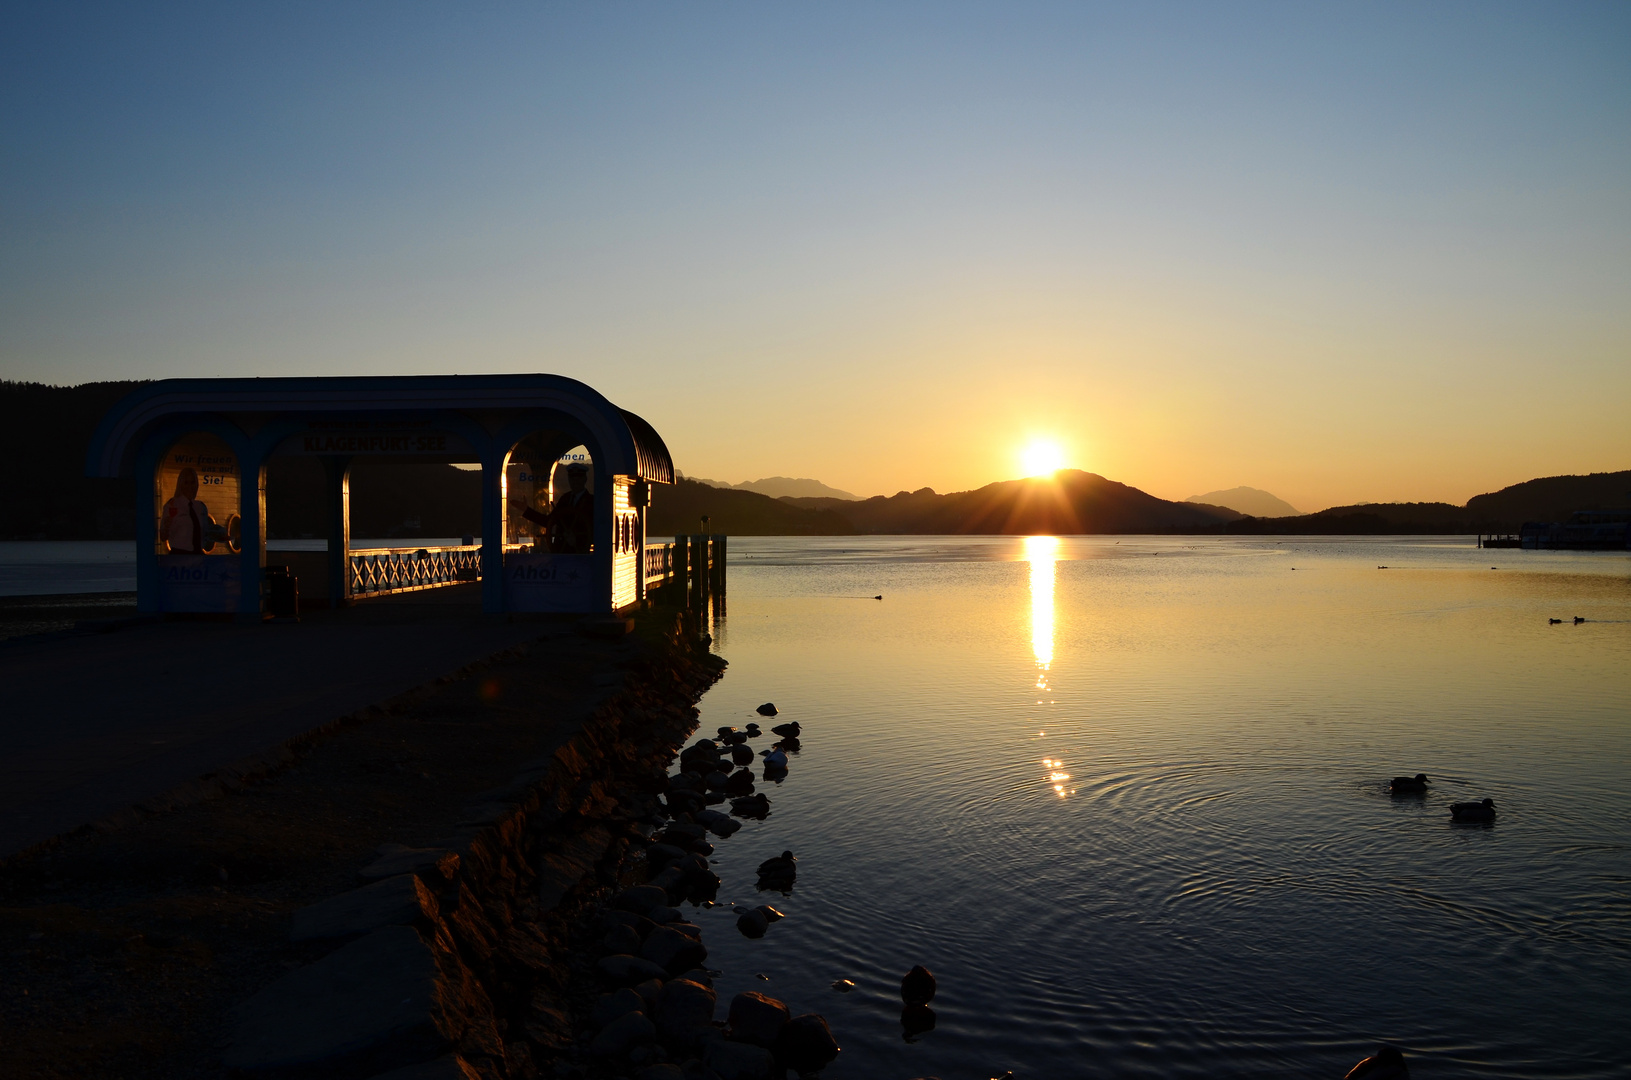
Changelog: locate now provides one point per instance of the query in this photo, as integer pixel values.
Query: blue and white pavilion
(515, 427)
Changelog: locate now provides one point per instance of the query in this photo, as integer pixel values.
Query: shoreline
(135, 945)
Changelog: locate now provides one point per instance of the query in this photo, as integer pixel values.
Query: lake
(1127, 798)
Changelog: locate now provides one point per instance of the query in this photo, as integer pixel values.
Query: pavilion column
(604, 553)
(492, 529)
(147, 528)
(252, 535)
(337, 502)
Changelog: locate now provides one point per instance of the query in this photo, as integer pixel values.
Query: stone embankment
(382, 901)
(456, 961)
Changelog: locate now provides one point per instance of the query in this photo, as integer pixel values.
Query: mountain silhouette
(1248, 500)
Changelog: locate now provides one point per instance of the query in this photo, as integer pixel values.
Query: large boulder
(684, 1010)
(756, 1018)
(629, 970)
(806, 1044)
(673, 951)
(627, 1032)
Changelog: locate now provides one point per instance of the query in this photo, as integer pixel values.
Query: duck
(1473, 811)
(1386, 1064)
(1408, 783)
(917, 986)
(1578, 620)
(783, 865)
(775, 760)
(791, 730)
(1554, 622)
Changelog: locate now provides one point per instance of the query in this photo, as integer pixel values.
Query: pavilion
(212, 439)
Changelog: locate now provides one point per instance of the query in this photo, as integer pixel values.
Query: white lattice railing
(377, 571)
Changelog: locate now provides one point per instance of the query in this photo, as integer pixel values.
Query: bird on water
(1473, 811)
(1408, 783)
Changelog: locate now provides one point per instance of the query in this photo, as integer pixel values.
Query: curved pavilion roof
(632, 446)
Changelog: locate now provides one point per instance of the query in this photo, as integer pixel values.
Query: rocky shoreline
(208, 936)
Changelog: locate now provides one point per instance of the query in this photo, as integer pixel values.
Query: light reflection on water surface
(1230, 888)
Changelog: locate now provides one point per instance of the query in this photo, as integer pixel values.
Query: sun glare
(1042, 457)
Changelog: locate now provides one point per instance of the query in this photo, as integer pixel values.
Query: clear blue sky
(1341, 252)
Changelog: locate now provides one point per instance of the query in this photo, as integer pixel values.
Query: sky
(1341, 252)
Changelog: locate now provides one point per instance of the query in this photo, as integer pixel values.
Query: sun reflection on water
(1042, 552)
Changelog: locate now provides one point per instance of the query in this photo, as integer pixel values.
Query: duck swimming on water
(1473, 811)
(1408, 783)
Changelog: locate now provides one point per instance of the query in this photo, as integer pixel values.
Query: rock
(806, 1044)
(752, 923)
(629, 970)
(673, 951)
(742, 754)
(670, 881)
(738, 1061)
(377, 1001)
(640, 898)
(721, 825)
(739, 783)
(395, 859)
(622, 1035)
(753, 730)
(451, 1067)
(621, 940)
(756, 1018)
(685, 781)
(684, 1010)
(649, 991)
(683, 834)
(660, 855)
(716, 780)
(617, 1003)
(664, 914)
(770, 913)
(686, 928)
(665, 1071)
(699, 976)
(726, 732)
(640, 924)
(751, 806)
(917, 986)
(843, 986)
(394, 901)
(696, 1070)
(767, 709)
(790, 730)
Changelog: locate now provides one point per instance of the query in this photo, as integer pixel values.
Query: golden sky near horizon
(1339, 254)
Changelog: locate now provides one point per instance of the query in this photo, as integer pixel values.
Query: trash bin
(280, 592)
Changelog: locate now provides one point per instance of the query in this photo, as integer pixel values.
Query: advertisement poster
(550, 583)
(195, 497)
(199, 583)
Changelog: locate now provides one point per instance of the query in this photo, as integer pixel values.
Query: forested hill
(44, 432)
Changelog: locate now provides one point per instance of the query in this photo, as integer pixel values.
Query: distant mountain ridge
(1248, 500)
(784, 487)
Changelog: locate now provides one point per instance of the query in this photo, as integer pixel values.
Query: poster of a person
(182, 525)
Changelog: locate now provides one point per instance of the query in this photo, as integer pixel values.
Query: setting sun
(1042, 457)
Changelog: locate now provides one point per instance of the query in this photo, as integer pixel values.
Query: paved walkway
(91, 724)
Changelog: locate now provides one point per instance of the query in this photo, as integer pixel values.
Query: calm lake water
(1127, 799)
